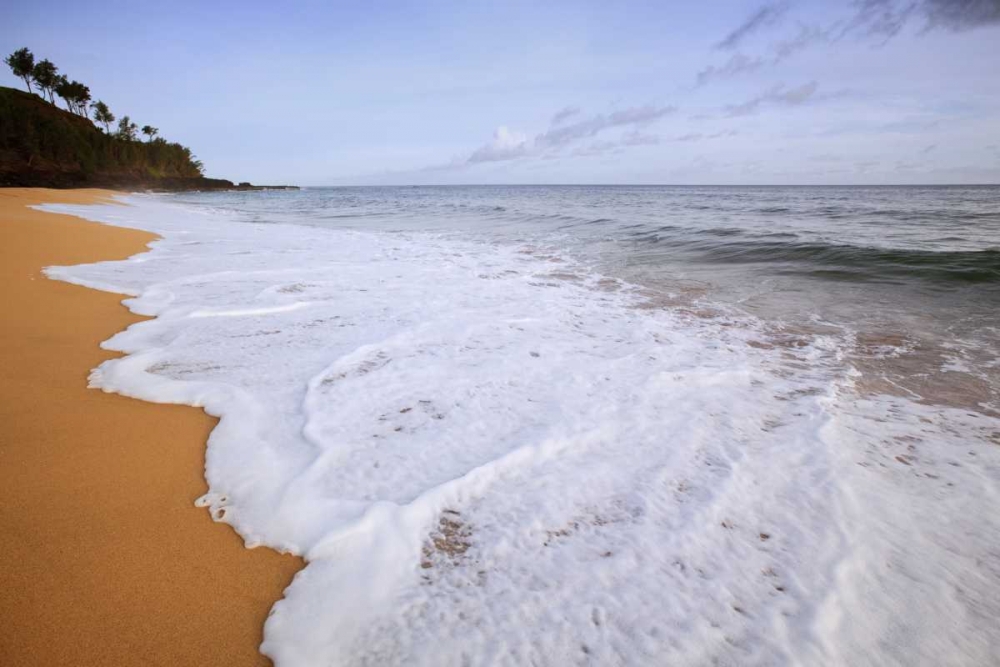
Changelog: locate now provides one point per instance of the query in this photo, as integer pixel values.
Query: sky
(433, 92)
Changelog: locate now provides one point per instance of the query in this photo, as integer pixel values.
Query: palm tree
(150, 132)
(103, 115)
(21, 63)
(126, 129)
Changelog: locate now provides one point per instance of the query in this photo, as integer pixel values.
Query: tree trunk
(27, 81)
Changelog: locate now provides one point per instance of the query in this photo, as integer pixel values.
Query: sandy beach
(105, 560)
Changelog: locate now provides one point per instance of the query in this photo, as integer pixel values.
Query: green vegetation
(22, 63)
(46, 77)
(74, 94)
(42, 143)
(103, 115)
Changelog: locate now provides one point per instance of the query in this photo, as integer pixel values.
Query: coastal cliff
(42, 145)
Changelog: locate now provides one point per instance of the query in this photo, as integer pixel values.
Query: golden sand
(103, 558)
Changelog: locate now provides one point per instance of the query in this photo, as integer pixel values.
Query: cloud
(699, 136)
(778, 95)
(737, 64)
(588, 127)
(565, 114)
(637, 138)
(808, 35)
(598, 148)
(511, 145)
(887, 18)
(882, 19)
(506, 145)
(879, 18)
(766, 16)
(959, 15)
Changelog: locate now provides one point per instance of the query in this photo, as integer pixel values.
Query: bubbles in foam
(490, 456)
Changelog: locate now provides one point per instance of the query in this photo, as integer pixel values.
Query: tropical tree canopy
(127, 129)
(46, 76)
(22, 63)
(103, 115)
(75, 94)
(159, 156)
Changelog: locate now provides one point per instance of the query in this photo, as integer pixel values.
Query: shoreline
(106, 558)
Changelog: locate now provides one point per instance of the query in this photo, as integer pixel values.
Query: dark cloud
(766, 16)
(886, 18)
(565, 114)
(881, 19)
(961, 15)
(778, 95)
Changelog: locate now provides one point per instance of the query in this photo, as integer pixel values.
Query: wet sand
(104, 560)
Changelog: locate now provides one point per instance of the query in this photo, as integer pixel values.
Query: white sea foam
(485, 462)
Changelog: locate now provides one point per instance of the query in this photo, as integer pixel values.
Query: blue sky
(314, 93)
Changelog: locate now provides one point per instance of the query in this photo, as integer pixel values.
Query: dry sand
(103, 558)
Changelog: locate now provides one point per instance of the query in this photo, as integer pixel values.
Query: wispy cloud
(700, 136)
(508, 144)
(565, 114)
(637, 138)
(882, 19)
(589, 127)
(777, 95)
(505, 145)
(766, 16)
(736, 65)
(598, 148)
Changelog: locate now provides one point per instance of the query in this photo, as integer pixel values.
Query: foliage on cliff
(43, 144)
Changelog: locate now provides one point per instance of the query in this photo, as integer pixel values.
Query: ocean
(601, 425)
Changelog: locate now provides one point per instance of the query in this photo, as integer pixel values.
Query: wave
(484, 462)
(833, 260)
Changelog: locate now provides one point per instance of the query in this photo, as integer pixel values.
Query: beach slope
(105, 560)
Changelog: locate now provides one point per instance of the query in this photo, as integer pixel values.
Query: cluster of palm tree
(74, 94)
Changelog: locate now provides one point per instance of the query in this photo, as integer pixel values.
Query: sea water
(590, 425)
